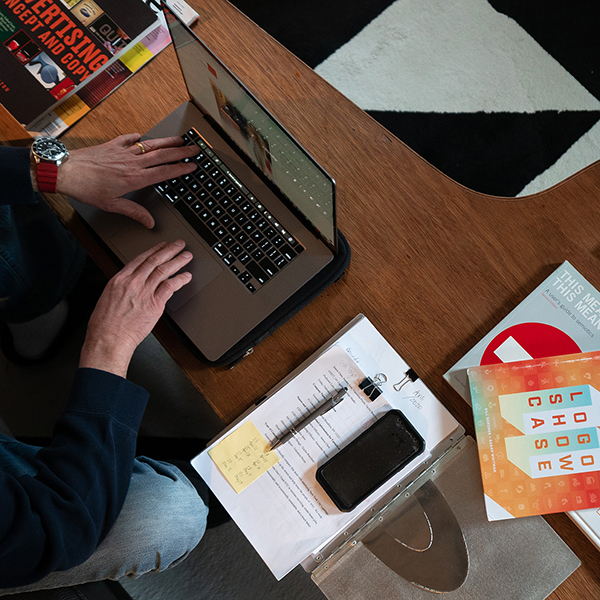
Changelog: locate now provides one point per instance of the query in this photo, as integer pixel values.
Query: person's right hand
(131, 304)
(101, 175)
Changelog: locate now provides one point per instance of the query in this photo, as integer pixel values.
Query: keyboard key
(213, 223)
(228, 241)
(277, 241)
(244, 258)
(234, 270)
(229, 259)
(244, 277)
(249, 246)
(220, 249)
(270, 232)
(237, 249)
(269, 268)
(287, 252)
(257, 272)
(251, 287)
(257, 254)
(280, 262)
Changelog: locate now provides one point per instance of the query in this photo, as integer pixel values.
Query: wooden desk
(435, 266)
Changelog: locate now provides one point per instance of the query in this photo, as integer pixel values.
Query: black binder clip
(410, 375)
(371, 387)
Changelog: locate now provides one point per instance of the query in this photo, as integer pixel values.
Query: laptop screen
(256, 132)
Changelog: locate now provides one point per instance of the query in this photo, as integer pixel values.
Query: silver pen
(332, 401)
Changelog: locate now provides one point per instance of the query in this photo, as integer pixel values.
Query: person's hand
(101, 175)
(130, 306)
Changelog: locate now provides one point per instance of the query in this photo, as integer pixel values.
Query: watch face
(49, 149)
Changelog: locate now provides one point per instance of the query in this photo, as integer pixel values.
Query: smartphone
(370, 460)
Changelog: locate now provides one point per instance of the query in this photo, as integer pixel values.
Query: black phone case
(370, 460)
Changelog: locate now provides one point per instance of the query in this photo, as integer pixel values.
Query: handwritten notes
(243, 456)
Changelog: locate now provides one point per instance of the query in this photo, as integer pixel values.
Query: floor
(224, 566)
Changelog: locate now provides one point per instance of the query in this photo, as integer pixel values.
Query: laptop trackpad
(133, 239)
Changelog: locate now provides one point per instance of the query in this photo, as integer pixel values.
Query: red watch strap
(47, 174)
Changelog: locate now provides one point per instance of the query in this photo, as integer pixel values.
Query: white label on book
(510, 351)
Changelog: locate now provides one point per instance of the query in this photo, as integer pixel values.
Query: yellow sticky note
(243, 456)
(135, 57)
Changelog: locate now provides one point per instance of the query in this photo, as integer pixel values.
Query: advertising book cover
(48, 48)
(537, 434)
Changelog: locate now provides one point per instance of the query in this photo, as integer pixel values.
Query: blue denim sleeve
(15, 176)
(54, 517)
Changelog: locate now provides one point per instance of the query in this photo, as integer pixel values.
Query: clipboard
(356, 556)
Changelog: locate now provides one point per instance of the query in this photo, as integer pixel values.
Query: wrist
(105, 355)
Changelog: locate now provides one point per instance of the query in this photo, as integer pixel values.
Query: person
(84, 508)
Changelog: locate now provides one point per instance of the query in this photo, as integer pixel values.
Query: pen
(332, 401)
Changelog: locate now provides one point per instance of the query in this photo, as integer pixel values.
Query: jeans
(162, 520)
(40, 261)
(163, 517)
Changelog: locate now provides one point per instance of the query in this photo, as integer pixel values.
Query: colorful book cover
(49, 48)
(537, 433)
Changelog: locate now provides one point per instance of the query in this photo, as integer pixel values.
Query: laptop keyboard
(231, 220)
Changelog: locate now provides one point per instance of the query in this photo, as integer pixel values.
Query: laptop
(258, 213)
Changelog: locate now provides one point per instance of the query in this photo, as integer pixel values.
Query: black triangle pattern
(312, 29)
(494, 153)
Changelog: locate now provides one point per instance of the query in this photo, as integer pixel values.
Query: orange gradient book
(537, 423)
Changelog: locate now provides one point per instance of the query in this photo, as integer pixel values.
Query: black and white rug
(501, 95)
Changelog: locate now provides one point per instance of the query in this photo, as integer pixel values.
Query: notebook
(258, 213)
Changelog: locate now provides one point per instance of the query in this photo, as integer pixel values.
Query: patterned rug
(501, 95)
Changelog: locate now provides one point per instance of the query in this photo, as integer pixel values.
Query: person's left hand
(131, 304)
(101, 175)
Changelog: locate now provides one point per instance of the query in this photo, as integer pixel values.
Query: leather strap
(47, 174)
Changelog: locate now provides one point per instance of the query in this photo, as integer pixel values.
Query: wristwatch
(48, 153)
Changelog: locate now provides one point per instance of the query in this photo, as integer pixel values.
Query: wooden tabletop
(434, 265)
